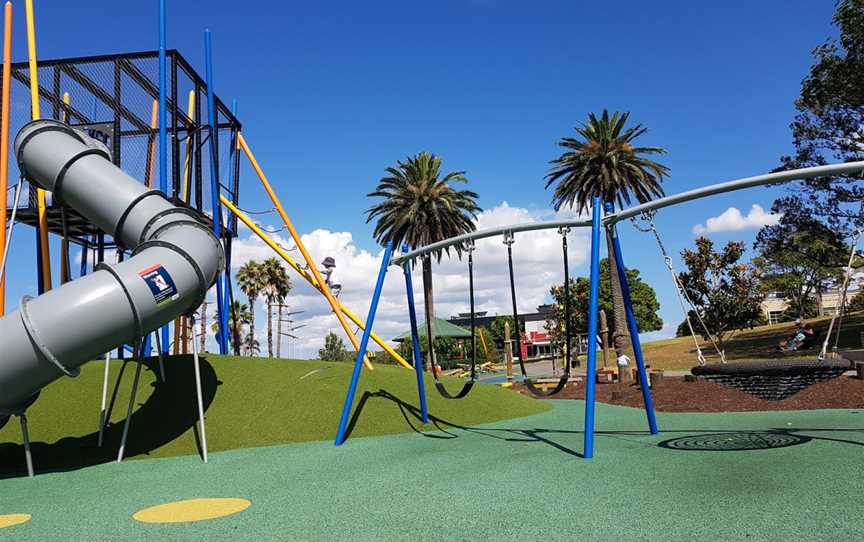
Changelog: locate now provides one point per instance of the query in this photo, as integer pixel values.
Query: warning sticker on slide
(160, 282)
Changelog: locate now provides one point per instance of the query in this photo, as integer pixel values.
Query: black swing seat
(445, 393)
(773, 380)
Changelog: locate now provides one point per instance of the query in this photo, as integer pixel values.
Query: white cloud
(537, 260)
(733, 220)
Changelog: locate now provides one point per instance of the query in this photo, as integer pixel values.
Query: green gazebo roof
(440, 328)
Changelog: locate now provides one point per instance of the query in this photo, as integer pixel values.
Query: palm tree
(239, 316)
(277, 285)
(604, 162)
(251, 345)
(250, 279)
(421, 207)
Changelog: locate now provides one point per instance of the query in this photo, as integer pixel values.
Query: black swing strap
(466, 388)
(528, 382)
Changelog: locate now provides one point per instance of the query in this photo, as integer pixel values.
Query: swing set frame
(603, 216)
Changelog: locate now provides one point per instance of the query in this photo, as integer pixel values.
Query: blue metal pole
(633, 328)
(364, 343)
(214, 180)
(415, 339)
(593, 305)
(163, 128)
(224, 315)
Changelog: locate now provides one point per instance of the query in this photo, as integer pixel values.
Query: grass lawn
(249, 402)
(757, 343)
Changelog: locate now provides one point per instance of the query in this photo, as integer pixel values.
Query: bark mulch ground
(678, 395)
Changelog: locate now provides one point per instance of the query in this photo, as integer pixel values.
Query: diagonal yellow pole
(36, 115)
(190, 112)
(312, 266)
(309, 278)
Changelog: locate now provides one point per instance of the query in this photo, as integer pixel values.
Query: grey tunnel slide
(175, 260)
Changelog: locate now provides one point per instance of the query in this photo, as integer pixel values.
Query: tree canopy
(645, 304)
(830, 113)
(797, 255)
(723, 289)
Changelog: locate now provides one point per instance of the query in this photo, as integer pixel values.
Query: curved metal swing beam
(831, 170)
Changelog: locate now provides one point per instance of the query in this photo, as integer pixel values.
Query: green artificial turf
(743, 476)
(250, 402)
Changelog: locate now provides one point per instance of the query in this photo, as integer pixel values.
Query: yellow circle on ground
(191, 510)
(10, 520)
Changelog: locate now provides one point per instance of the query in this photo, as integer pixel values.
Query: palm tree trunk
(252, 300)
(279, 330)
(270, 328)
(429, 302)
(620, 340)
(203, 326)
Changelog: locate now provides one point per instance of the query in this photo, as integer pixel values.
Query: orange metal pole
(313, 267)
(4, 139)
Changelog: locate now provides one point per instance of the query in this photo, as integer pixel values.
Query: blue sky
(331, 93)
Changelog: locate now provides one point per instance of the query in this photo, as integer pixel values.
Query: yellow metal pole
(313, 267)
(190, 112)
(36, 115)
(4, 139)
(151, 144)
(309, 278)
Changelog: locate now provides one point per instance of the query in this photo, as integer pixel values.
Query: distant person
(803, 337)
(329, 275)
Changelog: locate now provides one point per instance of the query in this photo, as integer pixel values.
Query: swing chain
(469, 246)
(841, 306)
(508, 238)
(645, 223)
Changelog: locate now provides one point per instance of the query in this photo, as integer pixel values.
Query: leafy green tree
(645, 304)
(604, 161)
(420, 207)
(797, 255)
(496, 328)
(334, 349)
(724, 290)
(447, 351)
(251, 280)
(830, 114)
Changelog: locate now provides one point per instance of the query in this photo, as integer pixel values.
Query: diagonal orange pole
(309, 278)
(4, 139)
(313, 267)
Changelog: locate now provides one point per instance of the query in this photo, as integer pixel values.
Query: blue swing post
(163, 130)
(364, 344)
(633, 327)
(593, 305)
(216, 207)
(415, 339)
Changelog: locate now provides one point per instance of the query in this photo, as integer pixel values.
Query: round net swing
(772, 380)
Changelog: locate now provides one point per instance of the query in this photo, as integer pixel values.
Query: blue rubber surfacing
(758, 476)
